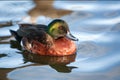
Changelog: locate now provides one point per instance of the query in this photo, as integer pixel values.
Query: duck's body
(60, 47)
(36, 39)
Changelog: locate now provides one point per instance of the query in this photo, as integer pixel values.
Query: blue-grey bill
(70, 36)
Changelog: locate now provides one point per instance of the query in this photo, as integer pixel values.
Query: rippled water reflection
(95, 23)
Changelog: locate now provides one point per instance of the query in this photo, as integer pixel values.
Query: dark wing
(39, 37)
(26, 29)
(29, 28)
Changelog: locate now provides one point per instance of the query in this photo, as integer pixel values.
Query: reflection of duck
(63, 68)
(58, 63)
(53, 40)
(48, 59)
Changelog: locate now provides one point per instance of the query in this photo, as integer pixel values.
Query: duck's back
(25, 29)
(29, 28)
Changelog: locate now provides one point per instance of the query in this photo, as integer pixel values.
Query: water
(95, 23)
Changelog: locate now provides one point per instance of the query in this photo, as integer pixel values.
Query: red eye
(61, 27)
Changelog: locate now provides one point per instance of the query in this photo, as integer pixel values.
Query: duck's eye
(63, 29)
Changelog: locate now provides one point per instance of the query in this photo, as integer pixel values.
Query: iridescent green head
(59, 28)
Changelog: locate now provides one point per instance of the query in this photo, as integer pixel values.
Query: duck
(54, 39)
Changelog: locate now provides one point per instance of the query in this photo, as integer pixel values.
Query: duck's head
(59, 28)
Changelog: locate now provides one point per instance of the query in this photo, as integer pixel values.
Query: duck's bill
(70, 36)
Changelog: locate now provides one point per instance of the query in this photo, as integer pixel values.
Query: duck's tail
(15, 34)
